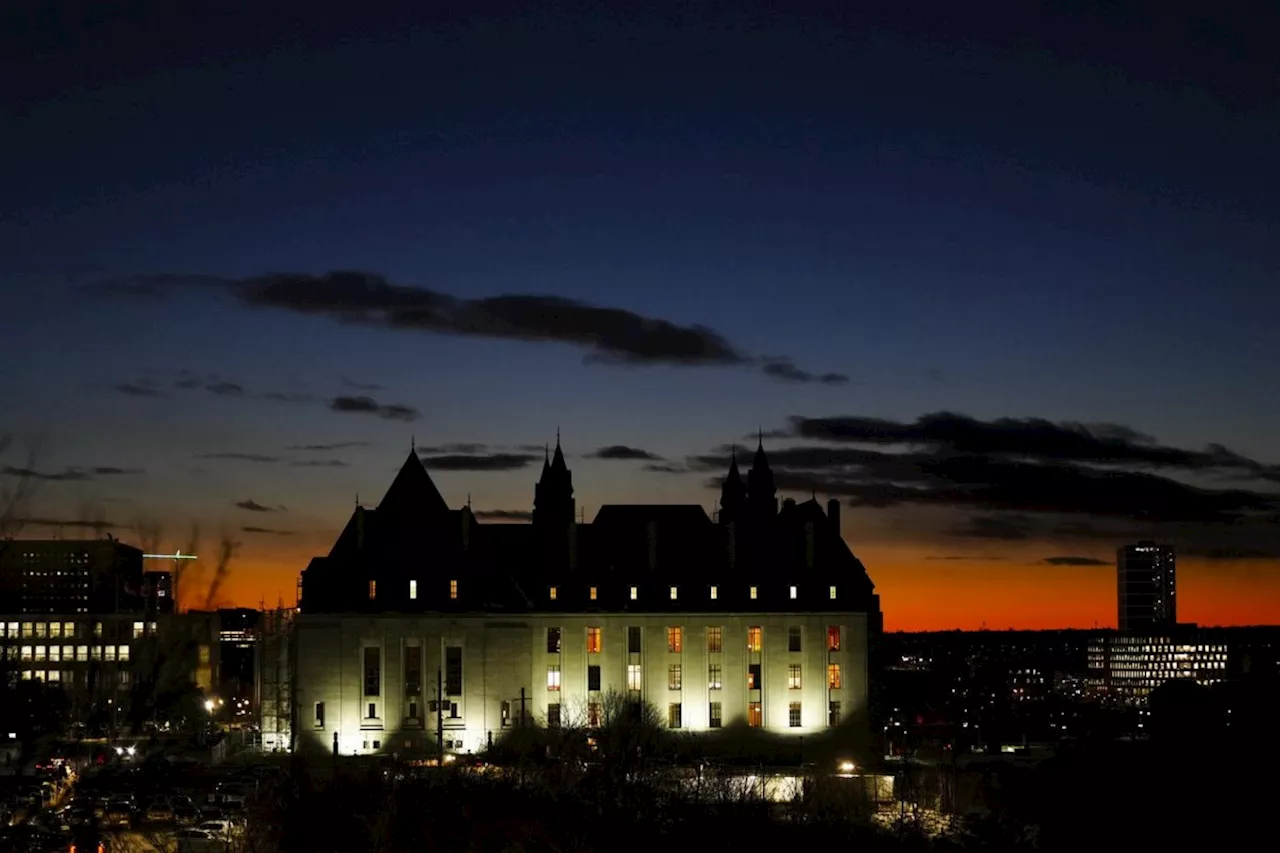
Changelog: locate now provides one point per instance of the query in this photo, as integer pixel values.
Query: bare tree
(18, 487)
(227, 550)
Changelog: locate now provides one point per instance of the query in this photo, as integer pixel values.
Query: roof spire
(413, 443)
(557, 438)
(759, 438)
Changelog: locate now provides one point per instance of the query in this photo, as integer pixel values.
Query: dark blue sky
(1069, 215)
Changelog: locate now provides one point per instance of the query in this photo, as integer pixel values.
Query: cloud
(67, 475)
(985, 558)
(1076, 561)
(622, 451)
(479, 461)
(239, 457)
(337, 445)
(225, 389)
(503, 514)
(667, 468)
(253, 506)
(456, 447)
(267, 531)
(1009, 528)
(318, 463)
(81, 523)
(362, 386)
(784, 370)
(139, 389)
(286, 397)
(609, 335)
(368, 405)
(1233, 553)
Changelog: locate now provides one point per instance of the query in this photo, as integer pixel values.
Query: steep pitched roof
(412, 491)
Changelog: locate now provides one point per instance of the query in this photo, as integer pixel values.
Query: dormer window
(453, 589)
(633, 593)
(373, 590)
(753, 593)
(715, 593)
(832, 593)
(552, 593)
(591, 593)
(673, 593)
(793, 593)
(413, 590)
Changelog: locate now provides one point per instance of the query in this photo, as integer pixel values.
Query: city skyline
(1010, 306)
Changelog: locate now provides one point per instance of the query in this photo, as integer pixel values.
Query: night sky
(1007, 286)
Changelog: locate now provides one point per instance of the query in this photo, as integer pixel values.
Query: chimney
(833, 513)
(653, 545)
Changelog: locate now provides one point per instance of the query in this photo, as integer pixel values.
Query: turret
(733, 494)
(761, 494)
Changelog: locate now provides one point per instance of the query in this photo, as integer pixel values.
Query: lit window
(715, 677)
(793, 593)
(139, 628)
(633, 593)
(833, 638)
(55, 630)
(675, 676)
(553, 593)
(793, 715)
(831, 592)
(715, 593)
(675, 640)
(714, 718)
(595, 640)
(592, 593)
(754, 635)
(373, 590)
(755, 717)
(675, 718)
(673, 593)
(553, 676)
(55, 652)
(793, 677)
(413, 590)
(715, 639)
(833, 676)
(634, 679)
(124, 653)
(753, 593)
(453, 589)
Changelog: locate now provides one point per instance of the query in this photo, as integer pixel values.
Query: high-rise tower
(1146, 578)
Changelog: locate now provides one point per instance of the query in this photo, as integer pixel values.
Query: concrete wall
(500, 656)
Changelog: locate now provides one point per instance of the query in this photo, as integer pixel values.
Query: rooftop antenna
(468, 500)
(413, 443)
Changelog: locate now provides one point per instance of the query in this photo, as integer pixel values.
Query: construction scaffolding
(274, 668)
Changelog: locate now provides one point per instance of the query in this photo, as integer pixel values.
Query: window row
(675, 639)
(675, 715)
(65, 630)
(66, 653)
(593, 593)
(675, 677)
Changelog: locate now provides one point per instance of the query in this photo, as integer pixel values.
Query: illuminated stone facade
(761, 618)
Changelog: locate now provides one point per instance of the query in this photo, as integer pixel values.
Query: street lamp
(208, 705)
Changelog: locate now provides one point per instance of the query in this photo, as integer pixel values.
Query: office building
(1146, 578)
(423, 626)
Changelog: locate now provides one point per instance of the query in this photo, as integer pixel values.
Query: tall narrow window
(753, 593)
(675, 677)
(674, 593)
(754, 677)
(553, 676)
(372, 671)
(553, 715)
(595, 641)
(794, 591)
(595, 714)
(831, 593)
(793, 715)
(591, 593)
(715, 593)
(793, 638)
(320, 715)
(793, 676)
(833, 638)
(833, 676)
(754, 635)
(675, 640)
(675, 716)
(373, 590)
(593, 677)
(755, 717)
(553, 593)
(833, 714)
(714, 716)
(553, 641)
(633, 593)
(413, 590)
(715, 639)
(633, 639)
(453, 670)
(634, 677)
(715, 680)
(413, 671)
(453, 589)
